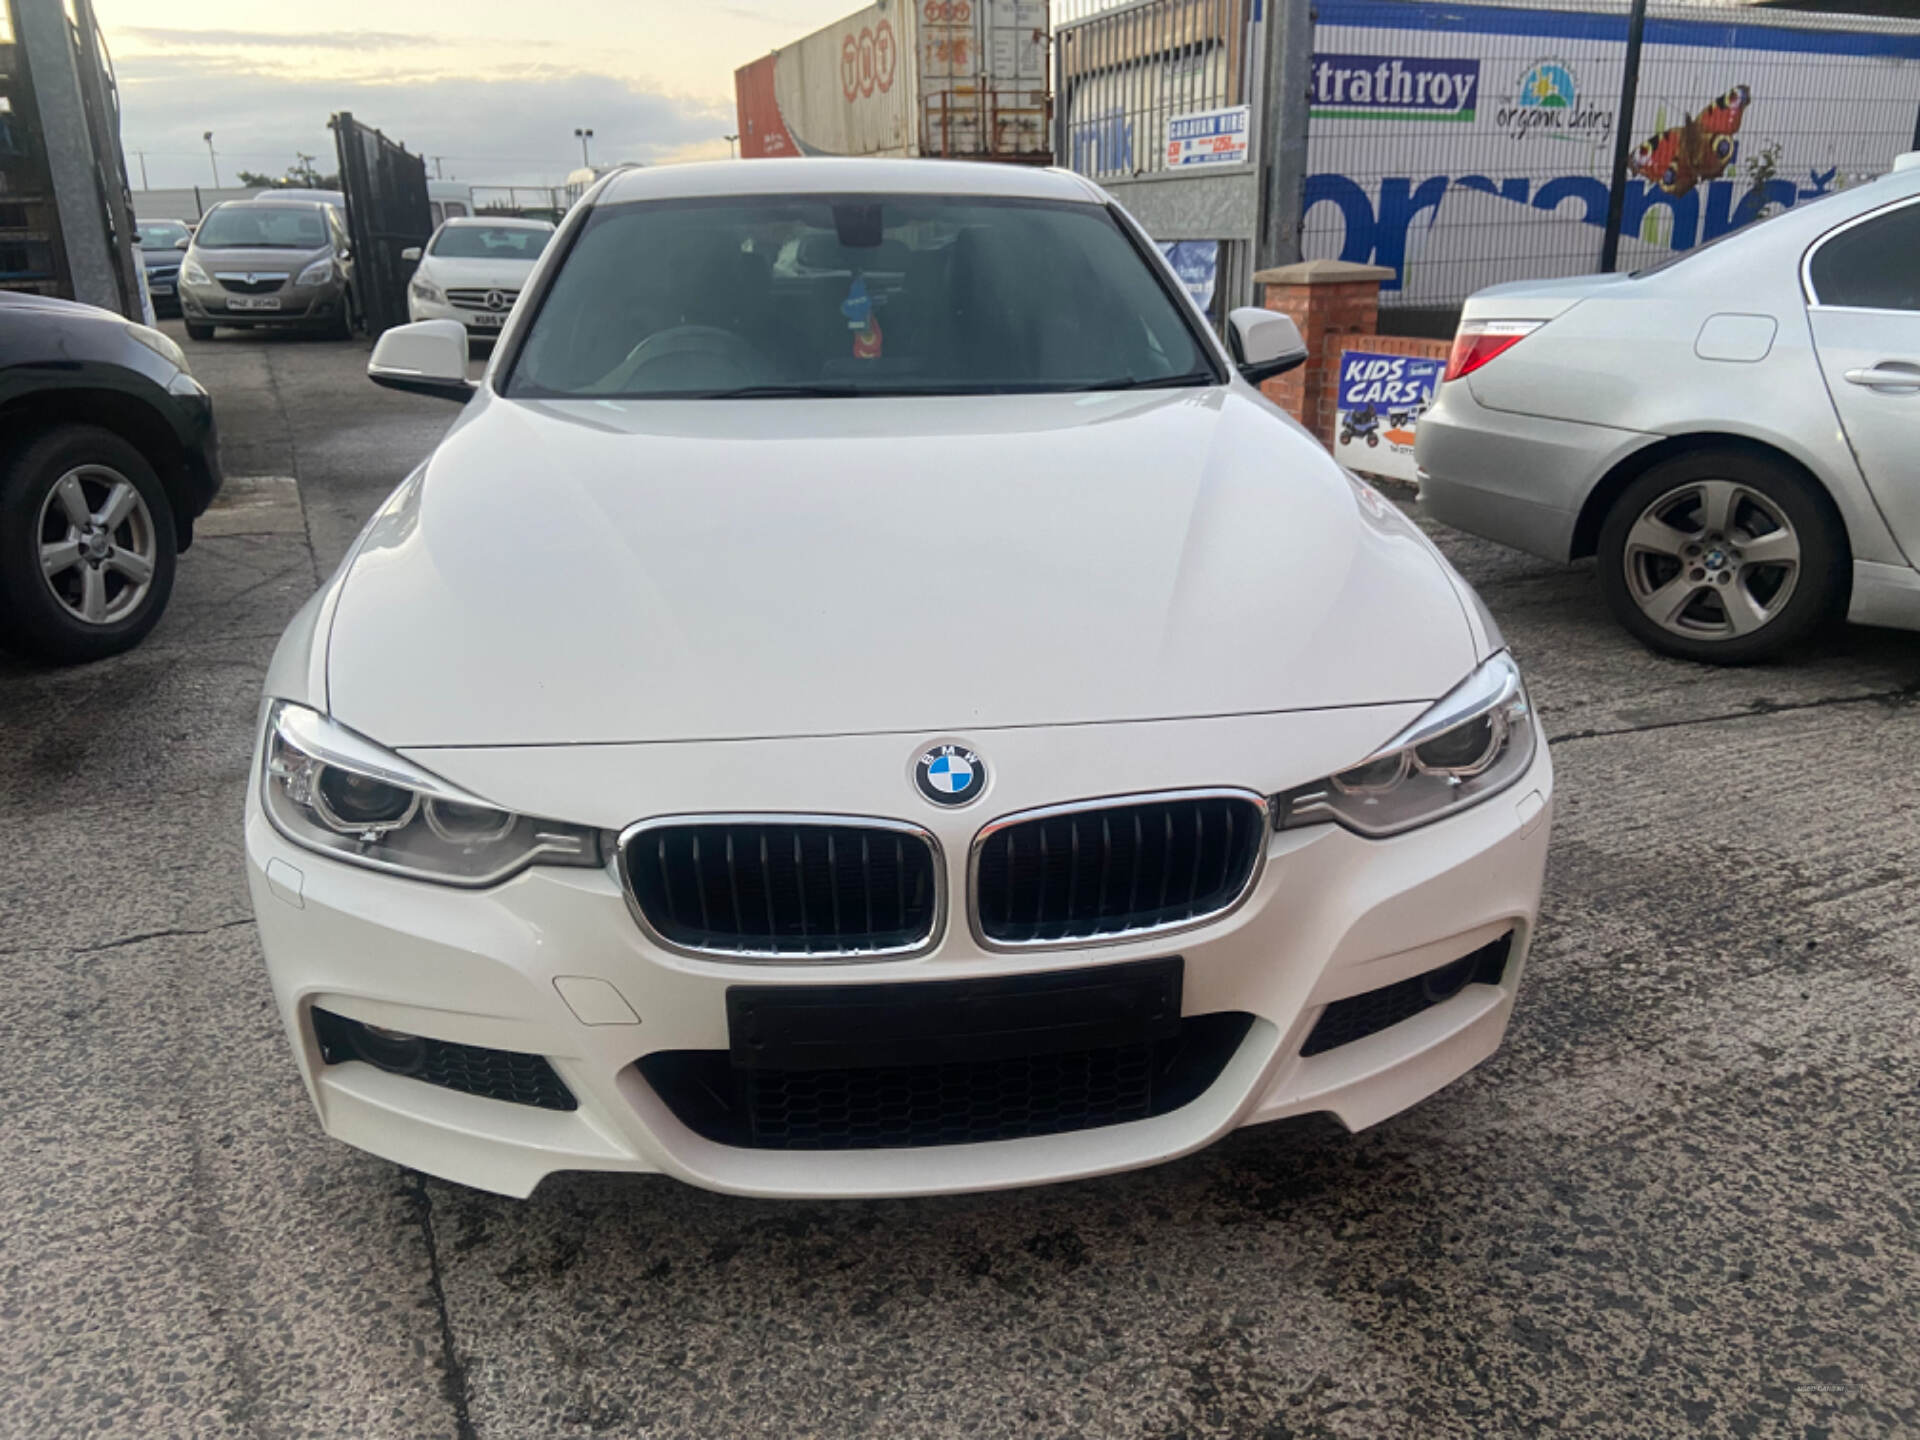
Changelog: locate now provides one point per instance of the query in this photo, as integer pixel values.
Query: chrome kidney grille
(1135, 866)
(785, 887)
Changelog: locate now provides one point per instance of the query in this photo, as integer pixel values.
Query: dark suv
(107, 457)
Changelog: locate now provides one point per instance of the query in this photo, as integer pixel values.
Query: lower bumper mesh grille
(1359, 1016)
(955, 1103)
(508, 1075)
(875, 1067)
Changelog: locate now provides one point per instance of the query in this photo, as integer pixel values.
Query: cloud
(510, 128)
(164, 38)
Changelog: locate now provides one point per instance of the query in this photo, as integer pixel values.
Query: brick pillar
(1329, 300)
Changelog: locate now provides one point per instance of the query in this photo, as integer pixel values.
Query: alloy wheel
(98, 547)
(1712, 559)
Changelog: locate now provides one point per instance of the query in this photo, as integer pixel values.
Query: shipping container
(961, 79)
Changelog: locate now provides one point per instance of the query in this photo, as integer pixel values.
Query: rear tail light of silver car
(1478, 341)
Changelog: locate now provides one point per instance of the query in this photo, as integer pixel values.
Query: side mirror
(183, 242)
(412, 252)
(428, 357)
(1265, 344)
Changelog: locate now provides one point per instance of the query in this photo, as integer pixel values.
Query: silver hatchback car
(1735, 434)
(272, 263)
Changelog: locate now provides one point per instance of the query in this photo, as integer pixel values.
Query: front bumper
(164, 290)
(481, 324)
(1332, 916)
(313, 305)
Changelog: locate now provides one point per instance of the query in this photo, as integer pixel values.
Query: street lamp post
(212, 159)
(732, 151)
(583, 136)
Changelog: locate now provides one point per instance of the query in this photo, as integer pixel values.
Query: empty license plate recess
(931, 1022)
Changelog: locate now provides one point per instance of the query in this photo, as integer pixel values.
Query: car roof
(840, 176)
(464, 221)
(259, 203)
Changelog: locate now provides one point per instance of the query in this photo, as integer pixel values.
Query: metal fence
(387, 211)
(1462, 145)
(1124, 68)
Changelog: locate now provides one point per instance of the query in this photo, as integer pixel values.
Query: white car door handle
(1888, 375)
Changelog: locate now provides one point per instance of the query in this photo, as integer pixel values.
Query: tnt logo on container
(868, 61)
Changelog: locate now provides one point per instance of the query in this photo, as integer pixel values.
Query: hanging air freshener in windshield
(858, 308)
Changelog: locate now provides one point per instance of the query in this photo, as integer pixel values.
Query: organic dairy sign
(1494, 129)
(1380, 401)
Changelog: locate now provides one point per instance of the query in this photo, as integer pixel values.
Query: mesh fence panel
(1465, 145)
(1461, 145)
(1123, 70)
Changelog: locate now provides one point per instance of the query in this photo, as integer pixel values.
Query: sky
(494, 88)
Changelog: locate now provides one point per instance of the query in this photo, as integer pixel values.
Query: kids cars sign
(1380, 402)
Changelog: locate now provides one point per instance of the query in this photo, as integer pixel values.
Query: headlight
(331, 790)
(1470, 746)
(425, 289)
(318, 273)
(160, 344)
(191, 272)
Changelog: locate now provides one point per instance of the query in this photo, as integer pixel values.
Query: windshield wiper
(773, 392)
(1158, 382)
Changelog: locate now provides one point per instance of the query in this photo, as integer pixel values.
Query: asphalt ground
(1684, 1199)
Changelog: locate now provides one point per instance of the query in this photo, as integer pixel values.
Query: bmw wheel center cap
(950, 775)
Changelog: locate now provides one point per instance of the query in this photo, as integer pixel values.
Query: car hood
(510, 274)
(651, 571)
(227, 260)
(162, 259)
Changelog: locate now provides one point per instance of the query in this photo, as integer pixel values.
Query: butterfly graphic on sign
(1700, 148)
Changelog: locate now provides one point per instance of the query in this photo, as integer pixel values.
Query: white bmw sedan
(920, 721)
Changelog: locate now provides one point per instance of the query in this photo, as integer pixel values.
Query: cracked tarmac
(1683, 1199)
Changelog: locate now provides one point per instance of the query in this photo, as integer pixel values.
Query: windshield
(160, 234)
(855, 295)
(490, 242)
(263, 227)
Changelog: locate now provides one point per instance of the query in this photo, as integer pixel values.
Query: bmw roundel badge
(950, 774)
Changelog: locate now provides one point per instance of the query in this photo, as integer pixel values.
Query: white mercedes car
(921, 722)
(472, 270)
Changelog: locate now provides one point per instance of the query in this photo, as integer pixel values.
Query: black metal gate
(387, 212)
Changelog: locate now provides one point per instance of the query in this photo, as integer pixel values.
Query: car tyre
(1723, 556)
(199, 332)
(120, 562)
(342, 327)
